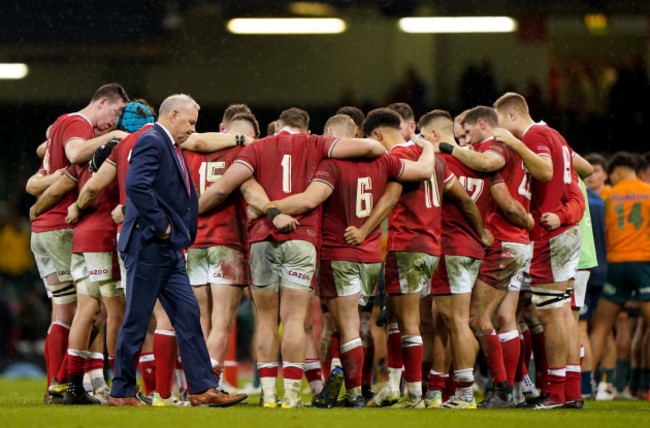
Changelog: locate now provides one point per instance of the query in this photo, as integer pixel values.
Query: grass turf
(21, 404)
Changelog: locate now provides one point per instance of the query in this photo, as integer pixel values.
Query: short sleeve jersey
(65, 128)
(549, 196)
(226, 224)
(119, 158)
(415, 221)
(356, 186)
(627, 222)
(515, 176)
(283, 164)
(95, 231)
(458, 237)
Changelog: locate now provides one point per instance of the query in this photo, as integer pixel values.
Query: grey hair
(177, 102)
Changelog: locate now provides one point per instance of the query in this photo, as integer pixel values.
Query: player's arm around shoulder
(539, 167)
(479, 161)
(423, 168)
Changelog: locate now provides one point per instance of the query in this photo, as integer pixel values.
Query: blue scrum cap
(134, 116)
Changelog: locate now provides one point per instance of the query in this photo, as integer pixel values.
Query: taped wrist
(446, 148)
(546, 298)
(272, 212)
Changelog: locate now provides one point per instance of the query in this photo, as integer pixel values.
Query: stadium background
(581, 64)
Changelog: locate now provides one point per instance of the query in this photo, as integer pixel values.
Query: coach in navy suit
(161, 220)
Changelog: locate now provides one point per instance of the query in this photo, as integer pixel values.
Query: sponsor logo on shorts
(299, 275)
(219, 275)
(97, 271)
(63, 272)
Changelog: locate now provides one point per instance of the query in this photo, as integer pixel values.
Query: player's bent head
(485, 113)
(623, 160)
(404, 110)
(231, 111)
(354, 112)
(244, 123)
(511, 101)
(381, 118)
(177, 103)
(294, 118)
(113, 92)
(135, 115)
(437, 119)
(340, 126)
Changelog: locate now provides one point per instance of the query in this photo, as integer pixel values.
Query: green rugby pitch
(21, 405)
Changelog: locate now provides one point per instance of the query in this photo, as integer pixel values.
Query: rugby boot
(291, 400)
(577, 403)
(355, 402)
(433, 399)
(327, 397)
(55, 392)
(76, 393)
(385, 397)
(172, 401)
(409, 403)
(545, 404)
(458, 402)
(270, 402)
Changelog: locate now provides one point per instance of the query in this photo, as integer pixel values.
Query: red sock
(290, 371)
(58, 347)
(335, 343)
(572, 382)
(555, 388)
(76, 363)
(352, 362)
(412, 357)
(493, 356)
(62, 374)
(46, 354)
(511, 347)
(147, 365)
(539, 348)
(313, 371)
(394, 347)
(267, 370)
(368, 360)
(93, 363)
(450, 387)
(437, 381)
(521, 368)
(164, 349)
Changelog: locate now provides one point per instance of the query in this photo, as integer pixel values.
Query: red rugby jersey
(516, 178)
(226, 224)
(357, 186)
(415, 221)
(119, 158)
(95, 231)
(550, 196)
(458, 237)
(284, 164)
(65, 128)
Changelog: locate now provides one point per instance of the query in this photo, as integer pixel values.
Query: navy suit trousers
(155, 270)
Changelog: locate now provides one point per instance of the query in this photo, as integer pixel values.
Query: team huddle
(488, 251)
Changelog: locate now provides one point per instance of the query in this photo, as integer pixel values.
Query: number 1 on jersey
(286, 173)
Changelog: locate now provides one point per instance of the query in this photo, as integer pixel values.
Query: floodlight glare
(286, 26)
(459, 24)
(13, 71)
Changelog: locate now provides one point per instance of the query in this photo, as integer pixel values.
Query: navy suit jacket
(157, 195)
